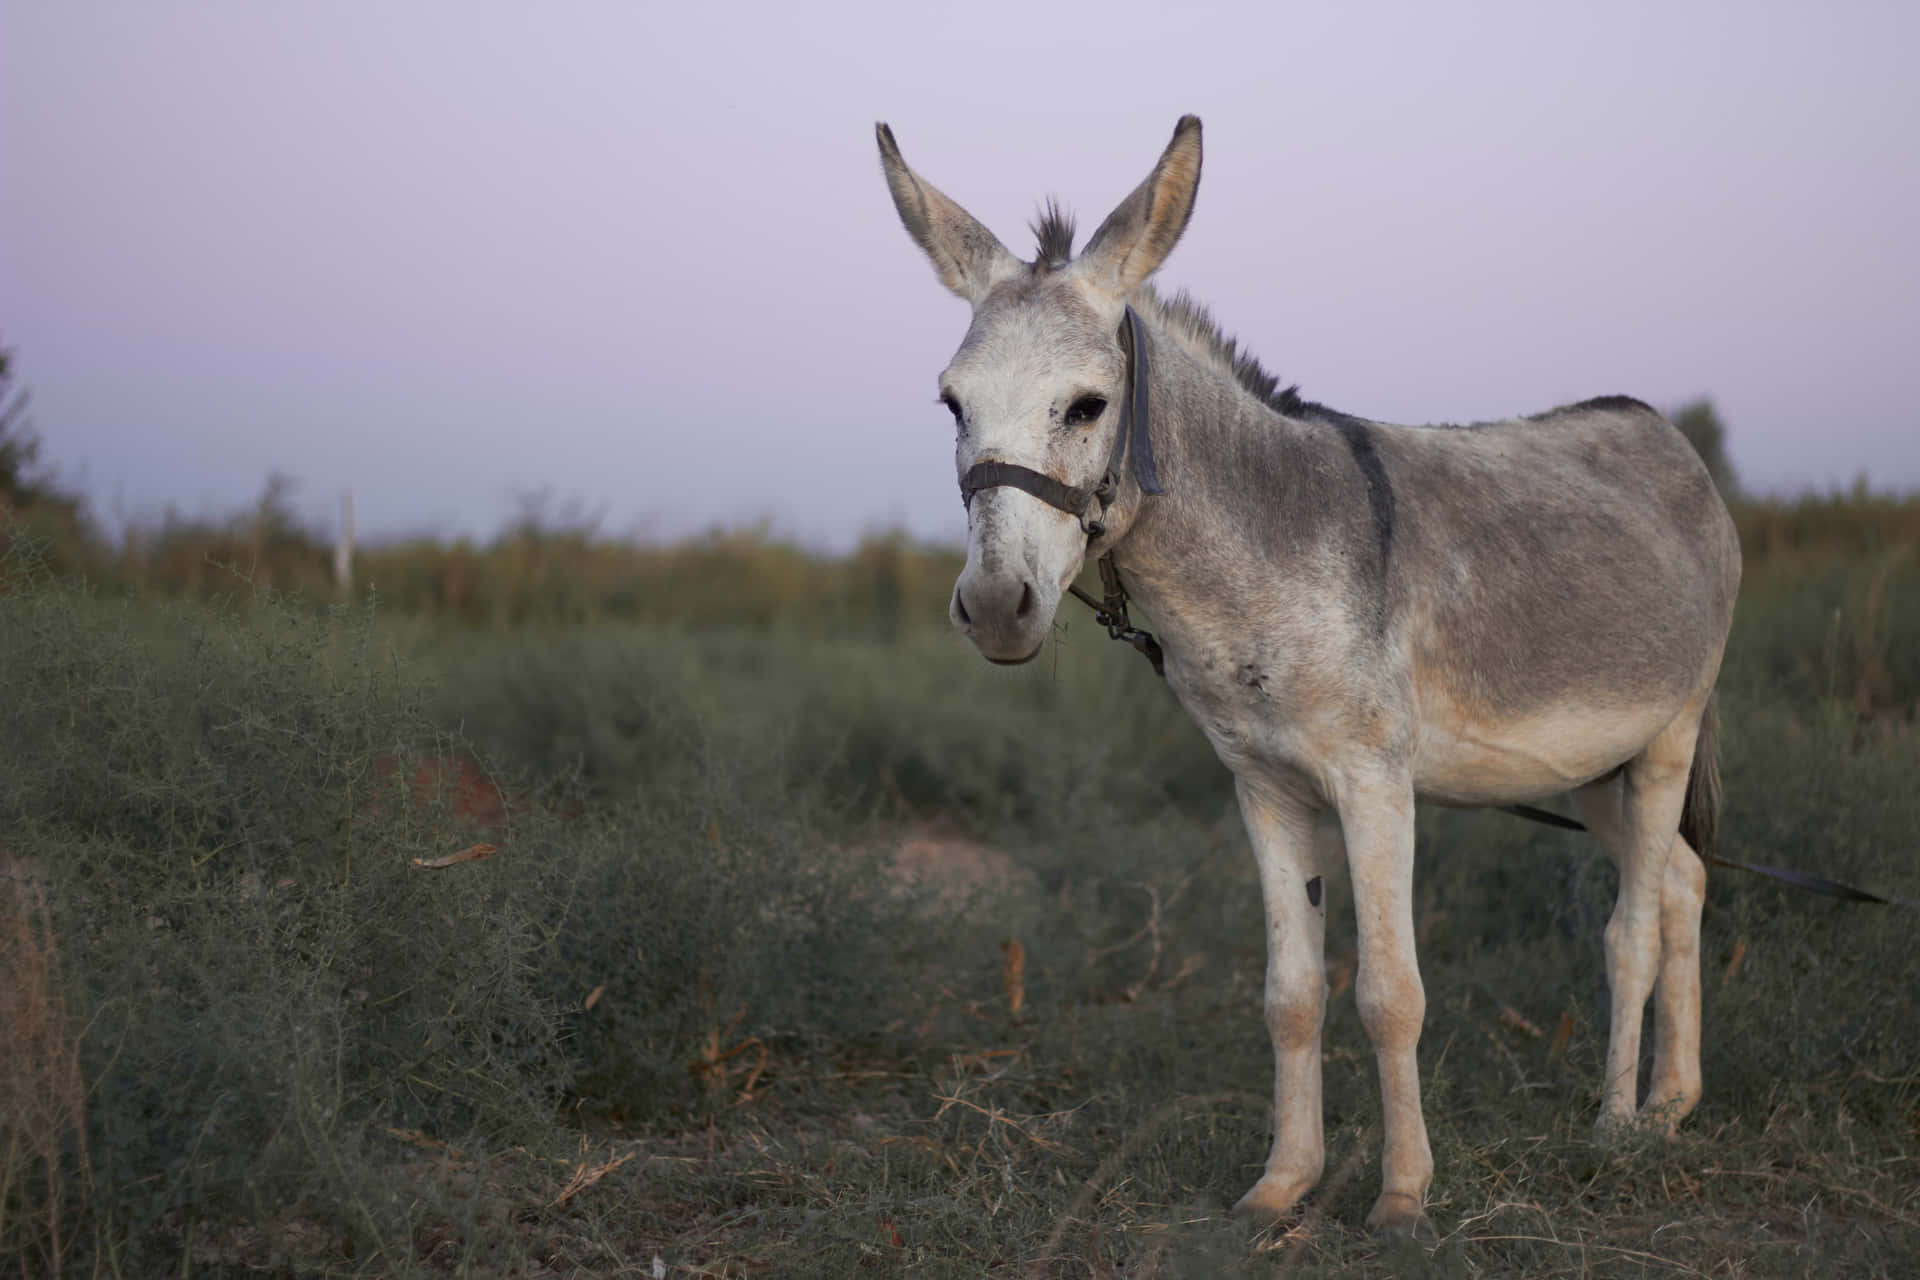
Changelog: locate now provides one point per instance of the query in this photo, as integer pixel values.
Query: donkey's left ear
(966, 256)
(1137, 236)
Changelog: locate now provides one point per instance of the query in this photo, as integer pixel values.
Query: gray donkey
(1357, 615)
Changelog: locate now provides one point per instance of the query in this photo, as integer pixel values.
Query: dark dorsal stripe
(1379, 489)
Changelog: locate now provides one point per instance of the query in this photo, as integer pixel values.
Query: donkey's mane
(1194, 327)
(1188, 319)
(1054, 230)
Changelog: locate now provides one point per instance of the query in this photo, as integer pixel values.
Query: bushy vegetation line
(552, 570)
(553, 566)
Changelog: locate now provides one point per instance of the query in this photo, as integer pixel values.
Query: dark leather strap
(1144, 469)
(994, 475)
(1111, 613)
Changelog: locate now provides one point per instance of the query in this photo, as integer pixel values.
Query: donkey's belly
(1475, 762)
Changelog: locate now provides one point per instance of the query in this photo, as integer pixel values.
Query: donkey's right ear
(1137, 237)
(965, 255)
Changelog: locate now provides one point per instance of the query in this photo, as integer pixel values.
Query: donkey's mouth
(1016, 662)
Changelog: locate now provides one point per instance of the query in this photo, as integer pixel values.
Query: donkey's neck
(1259, 503)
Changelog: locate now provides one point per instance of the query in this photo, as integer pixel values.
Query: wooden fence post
(343, 547)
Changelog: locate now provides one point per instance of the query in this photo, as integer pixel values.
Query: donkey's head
(1038, 383)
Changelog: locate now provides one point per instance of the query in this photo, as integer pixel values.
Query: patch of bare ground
(955, 870)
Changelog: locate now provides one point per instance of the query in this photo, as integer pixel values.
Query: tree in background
(1700, 423)
(29, 498)
(19, 447)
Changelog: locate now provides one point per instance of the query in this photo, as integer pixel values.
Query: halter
(1080, 503)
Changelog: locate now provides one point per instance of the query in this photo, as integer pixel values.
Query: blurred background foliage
(552, 565)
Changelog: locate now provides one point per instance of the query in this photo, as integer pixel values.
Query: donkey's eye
(1084, 410)
(953, 407)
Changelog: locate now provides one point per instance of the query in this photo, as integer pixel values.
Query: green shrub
(266, 978)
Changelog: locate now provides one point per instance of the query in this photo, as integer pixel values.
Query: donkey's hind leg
(1675, 1089)
(1636, 816)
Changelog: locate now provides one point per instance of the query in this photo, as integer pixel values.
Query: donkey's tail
(1700, 819)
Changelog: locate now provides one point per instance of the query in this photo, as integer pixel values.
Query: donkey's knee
(1393, 1004)
(1295, 1012)
(1633, 948)
(1685, 890)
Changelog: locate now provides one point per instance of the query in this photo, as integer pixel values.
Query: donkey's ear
(1137, 236)
(966, 256)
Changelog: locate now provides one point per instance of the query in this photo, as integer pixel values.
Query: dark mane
(1054, 230)
(1610, 404)
(1197, 323)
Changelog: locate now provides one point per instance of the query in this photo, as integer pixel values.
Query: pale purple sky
(641, 255)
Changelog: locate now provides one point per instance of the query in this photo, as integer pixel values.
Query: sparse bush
(1843, 635)
(33, 506)
(1785, 540)
(1700, 423)
(268, 979)
(45, 1175)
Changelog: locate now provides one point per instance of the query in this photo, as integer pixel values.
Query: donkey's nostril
(960, 609)
(1025, 606)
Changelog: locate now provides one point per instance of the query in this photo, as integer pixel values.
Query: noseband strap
(1007, 475)
(1077, 501)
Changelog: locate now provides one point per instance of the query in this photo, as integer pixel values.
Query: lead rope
(1785, 875)
(1111, 613)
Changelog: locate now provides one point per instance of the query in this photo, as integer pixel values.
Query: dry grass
(45, 1177)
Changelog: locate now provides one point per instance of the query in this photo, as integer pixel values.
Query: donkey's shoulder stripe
(1359, 438)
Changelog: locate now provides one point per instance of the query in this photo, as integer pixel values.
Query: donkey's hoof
(1614, 1130)
(1396, 1213)
(1661, 1114)
(1271, 1198)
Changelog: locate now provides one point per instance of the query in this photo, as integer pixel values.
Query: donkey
(1357, 615)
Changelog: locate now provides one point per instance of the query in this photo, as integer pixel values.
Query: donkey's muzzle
(1001, 613)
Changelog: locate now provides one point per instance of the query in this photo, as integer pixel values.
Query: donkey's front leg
(1377, 816)
(1282, 829)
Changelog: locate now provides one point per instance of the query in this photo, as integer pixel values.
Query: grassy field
(806, 949)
